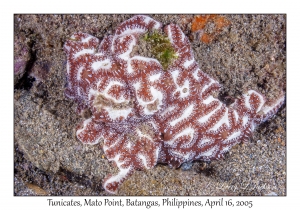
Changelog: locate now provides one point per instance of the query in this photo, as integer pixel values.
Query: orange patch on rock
(199, 23)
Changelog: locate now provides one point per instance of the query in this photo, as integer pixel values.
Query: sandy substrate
(250, 53)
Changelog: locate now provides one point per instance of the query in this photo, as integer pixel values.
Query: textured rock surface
(248, 56)
(22, 56)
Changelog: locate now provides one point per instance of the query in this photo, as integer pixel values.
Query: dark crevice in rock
(26, 81)
(54, 184)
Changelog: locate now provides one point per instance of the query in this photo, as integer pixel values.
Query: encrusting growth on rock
(201, 21)
(147, 115)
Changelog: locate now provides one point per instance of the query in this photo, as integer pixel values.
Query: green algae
(161, 48)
